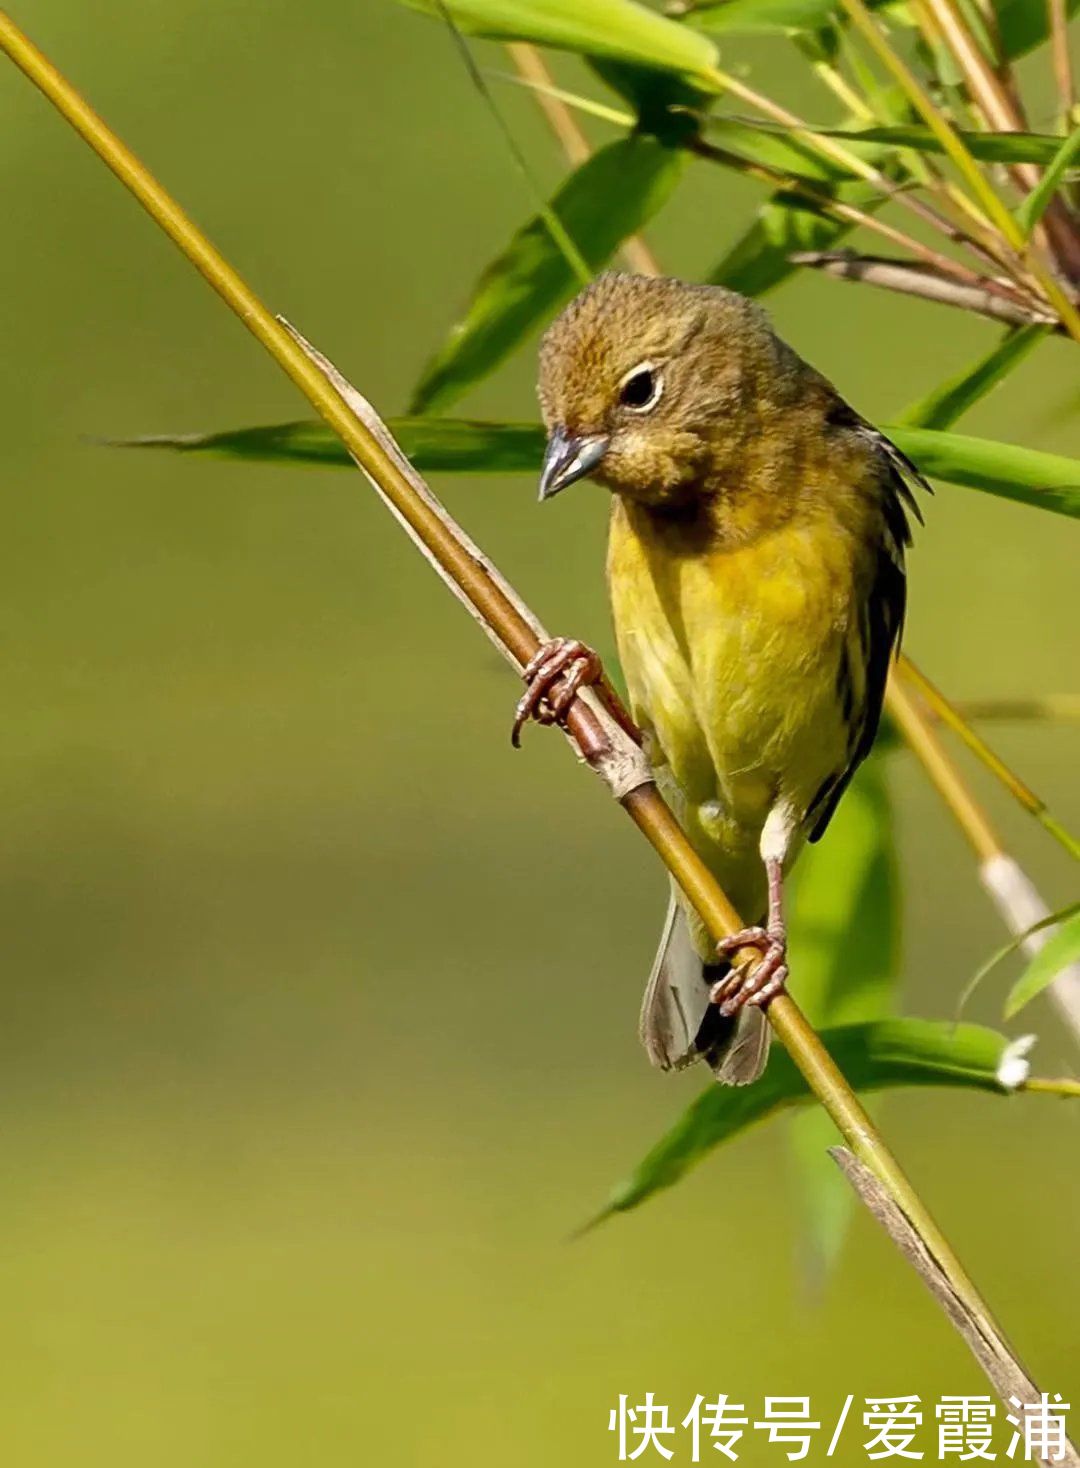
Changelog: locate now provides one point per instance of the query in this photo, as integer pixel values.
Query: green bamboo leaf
(895, 1052)
(844, 933)
(1051, 920)
(990, 147)
(1061, 950)
(620, 29)
(779, 150)
(435, 445)
(609, 197)
(1047, 481)
(945, 404)
(1023, 26)
(787, 224)
(1033, 207)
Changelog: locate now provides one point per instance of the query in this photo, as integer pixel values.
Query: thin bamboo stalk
(1062, 59)
(951, 716)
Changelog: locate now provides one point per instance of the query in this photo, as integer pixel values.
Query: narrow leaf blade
(988, 147)
(434, 445)
(899, 1052)
(1034, 206)
(1048, 481)
(1030, 476)
(942, 407)
(1060, 951)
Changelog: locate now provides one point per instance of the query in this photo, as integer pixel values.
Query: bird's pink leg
(767, 978)
(553, 677)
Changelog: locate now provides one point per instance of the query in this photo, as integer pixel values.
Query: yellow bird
(756, 572)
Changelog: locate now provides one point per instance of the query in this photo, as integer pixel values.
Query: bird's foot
(760, 983)
(553, 678)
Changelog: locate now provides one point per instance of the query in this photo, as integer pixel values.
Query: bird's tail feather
(678, 1024)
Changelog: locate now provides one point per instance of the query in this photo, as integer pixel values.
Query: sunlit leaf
(1034, 206)
(620, 29)
(844, 932)
(1058, 952)
(1047, 481)
(948, 402)
(609, 197)
(435, 445)
(895, 1052)
(778, 150)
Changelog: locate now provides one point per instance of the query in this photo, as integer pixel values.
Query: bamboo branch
(598, 738)
(916, 280)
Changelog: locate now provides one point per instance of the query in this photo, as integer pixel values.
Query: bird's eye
(640, 389)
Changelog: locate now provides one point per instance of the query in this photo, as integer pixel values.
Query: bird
(756, 574)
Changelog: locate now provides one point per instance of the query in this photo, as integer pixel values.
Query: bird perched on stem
(756, 571)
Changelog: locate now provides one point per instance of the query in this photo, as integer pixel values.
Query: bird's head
(647, 385)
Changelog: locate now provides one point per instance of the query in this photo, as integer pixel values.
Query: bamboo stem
(514, 628)
(944, 776)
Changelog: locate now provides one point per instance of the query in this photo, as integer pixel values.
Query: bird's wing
(875, 632)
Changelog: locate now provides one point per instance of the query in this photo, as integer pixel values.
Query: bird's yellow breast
(731, 657)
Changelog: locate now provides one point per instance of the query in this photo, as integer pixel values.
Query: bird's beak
(569, 456)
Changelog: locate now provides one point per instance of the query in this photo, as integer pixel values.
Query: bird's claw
(759, 983)
(552, 679)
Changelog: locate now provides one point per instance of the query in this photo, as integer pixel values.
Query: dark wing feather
(882, 614)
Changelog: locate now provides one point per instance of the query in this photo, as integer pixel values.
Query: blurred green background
(298, 1101)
